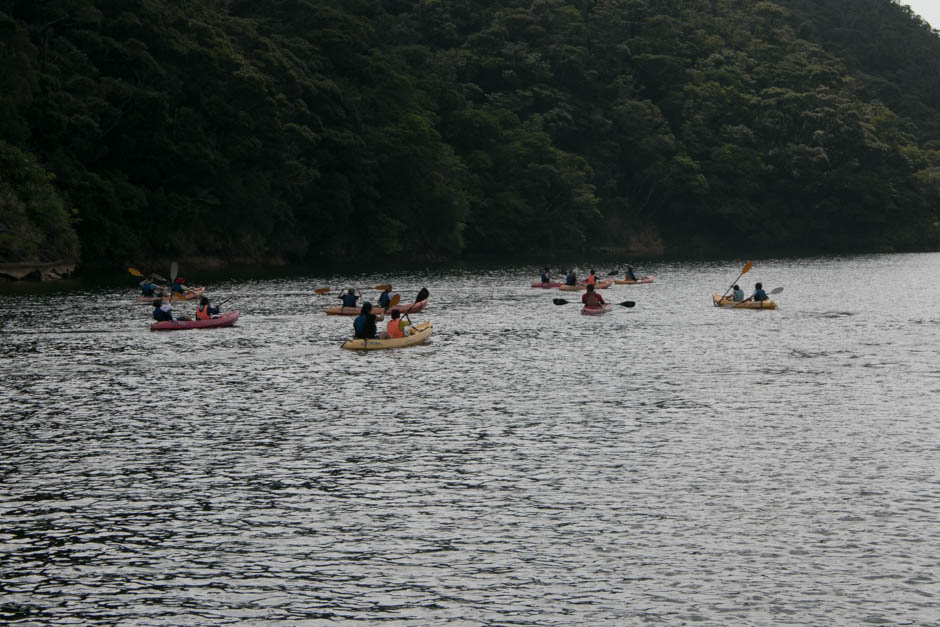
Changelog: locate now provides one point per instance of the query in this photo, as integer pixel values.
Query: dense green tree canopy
(269, 130)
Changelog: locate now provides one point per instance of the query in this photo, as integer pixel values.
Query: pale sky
(927, 9)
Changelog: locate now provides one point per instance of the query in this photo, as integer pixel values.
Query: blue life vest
(545, 278)
(571, 279)
(384, 300)
(349, 300)
(364, 327)
(760, 295)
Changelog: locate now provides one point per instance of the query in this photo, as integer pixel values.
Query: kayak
(339, 310)
(580, 287)
(222, 320)
(196, 292)
(547, 285)
(642, 279)
(727, 303)
(423, 332)
(596, 310)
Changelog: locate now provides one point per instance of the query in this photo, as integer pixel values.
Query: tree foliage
(300, 129)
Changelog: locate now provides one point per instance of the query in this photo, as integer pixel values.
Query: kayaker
(759, 293)
(397, 327)
(385, 298)
(204, 311)
(350, 298)
(592, 278)
(572, 278)
(546, 276)
(364, 324)
(179, 286)
(592, 298)
(738, 295)
(630, 274)
(148, 287)
(163, 311)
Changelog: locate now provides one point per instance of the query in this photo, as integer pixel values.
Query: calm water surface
(666, 464)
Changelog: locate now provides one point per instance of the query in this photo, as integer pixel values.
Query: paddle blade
(422, 295)
(559, 301)
(776, 290)
(321, 290)
(159, 278)
(627, 304)
(135, 272)
(613, 273)
(174, 271)
(394, 301)
(382, 288)
(747, 267)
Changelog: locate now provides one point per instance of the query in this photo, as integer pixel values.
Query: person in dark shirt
(364, 325)
(759, 293)
(349, 298)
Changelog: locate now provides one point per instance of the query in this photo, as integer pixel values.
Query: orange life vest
(592, 280)
(202, 313)
(394, 328)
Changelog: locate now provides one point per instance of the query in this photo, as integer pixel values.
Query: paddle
(747, 267)
(394, 300)
(136, 272)
(422, 295)
(613, 273)
(382, 288)
(626, 303)
(322, 290)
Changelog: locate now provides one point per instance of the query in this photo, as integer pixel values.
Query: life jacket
(394, 328)
(202, 313)
(592, 280)
(349, 300)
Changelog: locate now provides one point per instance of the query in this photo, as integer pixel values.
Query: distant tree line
(268, 130)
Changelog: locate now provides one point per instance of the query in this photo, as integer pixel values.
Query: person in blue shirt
(630, 274)
(162, 312)
(364, 324)
(148, 287)
(571, 279)
(546, 276)
(738, 294)
(759, 293)
(385, 298)
(350, 298)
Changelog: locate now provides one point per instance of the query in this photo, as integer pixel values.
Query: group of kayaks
(418, 332)
(719, 300)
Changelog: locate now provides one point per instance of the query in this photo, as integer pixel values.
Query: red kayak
(403, 308)
(596, 310)
(547, 285)
(222, 320)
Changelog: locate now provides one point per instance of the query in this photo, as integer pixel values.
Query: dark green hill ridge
(293, 130)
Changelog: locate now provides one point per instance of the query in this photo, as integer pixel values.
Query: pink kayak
(339, 310)
(597, 310)
(547, 285)
(222, 320)
(642, 279)
(403, 308)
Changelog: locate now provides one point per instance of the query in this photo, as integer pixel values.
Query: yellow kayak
(423, 332)
(747, 304)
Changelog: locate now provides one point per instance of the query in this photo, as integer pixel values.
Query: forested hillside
(292, 130)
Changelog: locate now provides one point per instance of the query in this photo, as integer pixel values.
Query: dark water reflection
(669, 463)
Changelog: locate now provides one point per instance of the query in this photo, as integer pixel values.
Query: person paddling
(385, 297)
(163, 311)
(630, 274)
(149, 288)
(592, 278)
(179, 286)
(738, 294)
(546, 276)
(204, 311)
(350, 298)
(397, 327)
(592, 298)
(364, 324)
(572, 278)
(759, 293)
